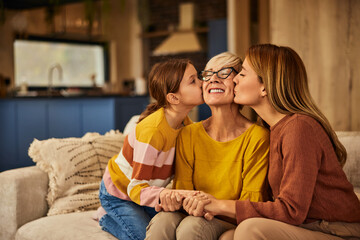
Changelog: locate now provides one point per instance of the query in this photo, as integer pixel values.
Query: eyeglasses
(222, 73)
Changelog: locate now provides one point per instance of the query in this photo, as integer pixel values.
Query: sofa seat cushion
(79, 225)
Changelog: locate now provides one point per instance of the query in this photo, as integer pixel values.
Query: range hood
(185, 38)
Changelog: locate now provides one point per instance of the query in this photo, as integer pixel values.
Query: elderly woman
(225, 155)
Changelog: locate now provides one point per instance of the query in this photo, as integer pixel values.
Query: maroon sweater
(306, 179)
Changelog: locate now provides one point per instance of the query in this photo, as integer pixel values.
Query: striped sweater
(144, 165)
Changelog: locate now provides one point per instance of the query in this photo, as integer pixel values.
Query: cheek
(194, 93)
(246, 91)
(230, 84)
(247, 87)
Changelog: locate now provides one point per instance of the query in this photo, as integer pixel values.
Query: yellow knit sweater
(228, 170)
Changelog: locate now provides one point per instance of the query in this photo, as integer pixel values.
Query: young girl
(312, 197)
(134, 180)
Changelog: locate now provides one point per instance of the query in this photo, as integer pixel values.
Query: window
(68, 64)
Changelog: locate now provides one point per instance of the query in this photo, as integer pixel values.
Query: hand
(196, 205)
(171, 200)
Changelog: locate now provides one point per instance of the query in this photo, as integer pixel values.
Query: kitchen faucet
(50, 78)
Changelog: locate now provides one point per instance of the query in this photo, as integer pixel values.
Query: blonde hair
(225, 59)
(284, 76)
(164, 78)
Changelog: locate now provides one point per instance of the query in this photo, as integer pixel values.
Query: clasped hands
(195, 203)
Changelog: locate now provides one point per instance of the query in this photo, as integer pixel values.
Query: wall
(6, 49)
(248, 24)
(120, 28)
(164, 16)
(123, 30)
(326, 35)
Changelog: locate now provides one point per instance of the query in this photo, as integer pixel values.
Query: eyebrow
(192, 75)
(243, 68)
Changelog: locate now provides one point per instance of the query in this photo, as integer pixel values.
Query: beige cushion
(75, 167)
(357, 192)
(131, 124)
(64, 226)
(351, 141)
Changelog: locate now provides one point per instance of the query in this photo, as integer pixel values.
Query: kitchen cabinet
(23, 119)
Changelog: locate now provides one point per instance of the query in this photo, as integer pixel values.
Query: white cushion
(75, 167)
(351, 141)
(131, 124)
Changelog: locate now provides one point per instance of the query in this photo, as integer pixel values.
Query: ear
(263, 91)
(172, 98)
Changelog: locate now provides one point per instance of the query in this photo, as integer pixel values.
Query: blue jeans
(124, 219)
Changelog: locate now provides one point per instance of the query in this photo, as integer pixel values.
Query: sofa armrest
(22, 198)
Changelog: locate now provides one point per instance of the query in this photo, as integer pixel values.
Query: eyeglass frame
(201, 72)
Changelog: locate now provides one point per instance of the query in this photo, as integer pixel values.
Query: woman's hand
(206, 205)
(200, 205)
(171, 200)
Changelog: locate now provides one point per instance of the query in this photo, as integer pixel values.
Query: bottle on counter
(140, 86)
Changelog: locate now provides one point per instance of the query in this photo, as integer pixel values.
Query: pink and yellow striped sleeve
(152, 167)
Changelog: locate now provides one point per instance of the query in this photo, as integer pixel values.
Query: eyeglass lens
(222, 73)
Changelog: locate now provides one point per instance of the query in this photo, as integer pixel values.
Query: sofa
(24, 210)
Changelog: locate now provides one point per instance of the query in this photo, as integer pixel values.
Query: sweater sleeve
(254, 174)
(184, 164)
(149, 169)
(301, 157)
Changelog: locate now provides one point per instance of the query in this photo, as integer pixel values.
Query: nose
(214, 79)
(236, 79)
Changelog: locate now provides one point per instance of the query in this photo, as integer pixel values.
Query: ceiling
(26, 4)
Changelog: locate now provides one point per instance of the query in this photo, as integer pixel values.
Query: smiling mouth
(216, 90)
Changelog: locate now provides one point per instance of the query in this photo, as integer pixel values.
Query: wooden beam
(238, 26)
(264, 21)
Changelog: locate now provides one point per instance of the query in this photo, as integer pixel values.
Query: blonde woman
(225, 155)
(312, 197)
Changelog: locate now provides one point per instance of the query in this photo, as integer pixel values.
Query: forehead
(246, 65)
(216, 67)
(189, 71)
(215, 64)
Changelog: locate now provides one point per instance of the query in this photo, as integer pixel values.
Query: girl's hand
(171, 200)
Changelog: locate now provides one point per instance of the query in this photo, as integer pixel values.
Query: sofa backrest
(131, 124)
(351, 141)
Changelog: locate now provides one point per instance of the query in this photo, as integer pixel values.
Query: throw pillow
(75, 167)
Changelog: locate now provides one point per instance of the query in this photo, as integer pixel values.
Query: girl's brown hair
(164, 78)
(284, 76)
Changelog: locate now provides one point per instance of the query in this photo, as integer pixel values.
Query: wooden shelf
(166, 33)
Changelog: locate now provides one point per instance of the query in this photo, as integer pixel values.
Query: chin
(218, 103)
(236, 100)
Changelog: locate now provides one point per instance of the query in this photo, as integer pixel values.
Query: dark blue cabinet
(8, 134)
(217, 37)
(95, 111)
(31, 122)
(65, 119)
(22, 120)
(217, 43)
